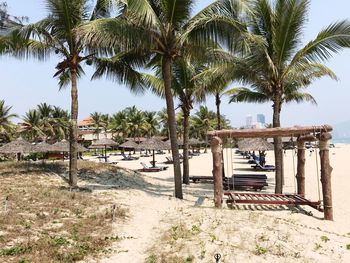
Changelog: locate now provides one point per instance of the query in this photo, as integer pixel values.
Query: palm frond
(246, 95)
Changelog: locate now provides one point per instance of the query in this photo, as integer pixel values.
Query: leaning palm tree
(58, 33)
(279, 70)
(163, 29)
(6, 126)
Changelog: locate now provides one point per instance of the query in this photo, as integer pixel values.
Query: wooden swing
(320, 133)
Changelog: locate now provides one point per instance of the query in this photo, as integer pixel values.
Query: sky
(26, 83)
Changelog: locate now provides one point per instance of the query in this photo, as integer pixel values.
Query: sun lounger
(169, 160)
(267, 167)
(129, 157)
(146, 168)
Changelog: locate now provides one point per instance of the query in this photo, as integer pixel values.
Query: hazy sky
(24, 84)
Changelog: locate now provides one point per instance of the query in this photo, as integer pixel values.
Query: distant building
(249, 121)
(260, 118)
(87, 131)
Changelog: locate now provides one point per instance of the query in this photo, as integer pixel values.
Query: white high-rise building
(249, 121)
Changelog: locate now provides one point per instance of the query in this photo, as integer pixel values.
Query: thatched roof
(104, 142)
(63, 146)
(179, 142)
(254, 144)
(129, 144)
(154, 144)
(17, 146)
(42, 147)
(194, 141)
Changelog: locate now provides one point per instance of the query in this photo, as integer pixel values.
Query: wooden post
(301, 168)
(326, 171)
(216, 149)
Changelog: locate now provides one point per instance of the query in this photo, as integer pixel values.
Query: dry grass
(43, 221)
(240, 236)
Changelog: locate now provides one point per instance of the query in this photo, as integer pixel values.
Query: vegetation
(41, 220)
(278, 70)
(6, 126)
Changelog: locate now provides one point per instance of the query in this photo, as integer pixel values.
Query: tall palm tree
(280, 69)
(6, 126)
(161, 28)
(58, 33)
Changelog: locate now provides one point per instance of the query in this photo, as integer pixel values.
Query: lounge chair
(169, 160)
(129, 157)
(266, 167)
(147, 168)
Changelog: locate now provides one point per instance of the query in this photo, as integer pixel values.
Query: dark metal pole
(154, 160)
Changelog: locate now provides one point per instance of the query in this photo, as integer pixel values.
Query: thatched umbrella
(129, 145)
(42, 147)
(18, 147)
(254, 144)
(154, 144)
(179, 142)
(63, 146)
(105, 142)
(194, 141)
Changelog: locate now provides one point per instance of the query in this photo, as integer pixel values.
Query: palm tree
(31, 127)
(188, 91)
(97, 122)
(6, 126)
(58, 33)
(279, 70)
(151, 125)
(120, 124)
(204, 120)
(164, 120)
(162, 29)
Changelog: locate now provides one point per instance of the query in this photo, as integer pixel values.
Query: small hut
(18, 147)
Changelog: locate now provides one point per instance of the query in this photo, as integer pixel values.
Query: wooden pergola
(303, 134)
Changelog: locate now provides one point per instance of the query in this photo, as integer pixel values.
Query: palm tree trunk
(218, 114)
(73, 142)
(186, 165)
(166, 70)
(277, 141)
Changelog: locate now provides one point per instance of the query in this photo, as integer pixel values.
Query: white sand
(154, 210)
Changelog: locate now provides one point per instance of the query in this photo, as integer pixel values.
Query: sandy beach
(164, 229)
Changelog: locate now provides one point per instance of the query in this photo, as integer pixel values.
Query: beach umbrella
(194, 141)
(154, 144)
(104, 142)
(179, 142)
(42, 147)
(254, 144)
(63, 146)
(129, 144)
(18, 147)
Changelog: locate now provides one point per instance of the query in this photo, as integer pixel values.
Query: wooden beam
(271, 132)
(216, 149)
(326, 171)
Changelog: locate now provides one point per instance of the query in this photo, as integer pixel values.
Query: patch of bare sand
(250, 233)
